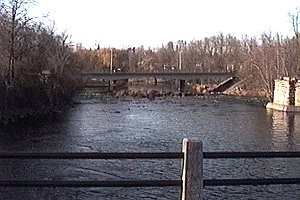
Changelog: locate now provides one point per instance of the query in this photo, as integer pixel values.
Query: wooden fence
(191, 182)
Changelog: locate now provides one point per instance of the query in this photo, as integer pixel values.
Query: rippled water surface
(100, 124)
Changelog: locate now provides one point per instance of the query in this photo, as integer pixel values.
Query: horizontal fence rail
(76, 184)
(146, 155)
(263, 181)
(219, 155)
(158, 155)
(249, 155)
(98, 156)
(191, 182)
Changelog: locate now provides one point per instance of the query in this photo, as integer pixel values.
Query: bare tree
(60, 54)
(16, 12)
(295, 24)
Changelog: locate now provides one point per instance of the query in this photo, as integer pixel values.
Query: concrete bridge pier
(286, 95)
(155, 81)
(109, 86)
(181, 85)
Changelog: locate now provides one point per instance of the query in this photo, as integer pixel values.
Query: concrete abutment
(286, 95)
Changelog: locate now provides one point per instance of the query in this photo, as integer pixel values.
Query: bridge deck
(167, 75)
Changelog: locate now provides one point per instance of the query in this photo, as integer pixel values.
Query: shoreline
(26, 116)
(152, 94)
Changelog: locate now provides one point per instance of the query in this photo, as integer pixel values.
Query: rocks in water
(121, 93)
(200, 89)
(149, 94)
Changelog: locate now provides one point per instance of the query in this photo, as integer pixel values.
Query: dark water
(101, 124)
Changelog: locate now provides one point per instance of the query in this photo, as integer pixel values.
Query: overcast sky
(126, 23)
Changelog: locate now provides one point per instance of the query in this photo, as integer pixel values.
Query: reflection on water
(285, 130)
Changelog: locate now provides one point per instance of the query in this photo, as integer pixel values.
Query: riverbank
(26, 115)
(35, 101)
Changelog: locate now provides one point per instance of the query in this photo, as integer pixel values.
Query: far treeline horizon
(28, 47)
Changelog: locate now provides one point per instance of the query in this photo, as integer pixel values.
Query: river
(104, 124)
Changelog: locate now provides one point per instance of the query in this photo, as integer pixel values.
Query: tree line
(258, 60)
(35, 62)
(30, 52)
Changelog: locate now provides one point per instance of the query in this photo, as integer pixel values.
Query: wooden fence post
(192, 170)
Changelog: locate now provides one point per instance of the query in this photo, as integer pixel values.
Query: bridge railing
(191, 181)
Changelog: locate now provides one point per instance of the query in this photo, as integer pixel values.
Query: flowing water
(103, 124)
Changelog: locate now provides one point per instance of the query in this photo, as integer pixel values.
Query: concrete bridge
(167, 75)
(182, 77)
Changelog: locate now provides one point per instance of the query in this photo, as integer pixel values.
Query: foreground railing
(249, 155)
(191, 181)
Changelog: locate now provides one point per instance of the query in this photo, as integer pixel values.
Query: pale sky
(128, 23)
